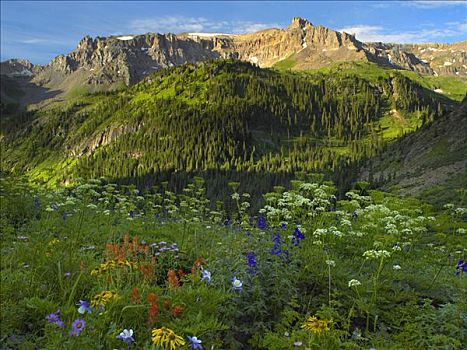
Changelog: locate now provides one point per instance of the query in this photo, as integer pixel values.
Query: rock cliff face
(104, 62)
(428, 59)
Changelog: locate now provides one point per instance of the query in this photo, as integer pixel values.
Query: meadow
(101, 266)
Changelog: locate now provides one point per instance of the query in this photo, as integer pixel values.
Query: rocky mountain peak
(299, 22)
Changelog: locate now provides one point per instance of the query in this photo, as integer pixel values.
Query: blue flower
(354, 215)
(195, 342)
(54, 318)
(283, 226)
(206, 275)
(127, 336)
(251, 257)
(131, 214)
(461, 266)
(78, 325)
(297, 237)
(261, 223)
(36, 202)
(84, 306)
(276, 249)
(236, 284)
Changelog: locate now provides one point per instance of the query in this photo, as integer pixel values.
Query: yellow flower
(313, 324)
(166, 338)
(103, 298)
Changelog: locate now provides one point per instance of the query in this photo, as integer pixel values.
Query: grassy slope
(191, 88)
(429, 162)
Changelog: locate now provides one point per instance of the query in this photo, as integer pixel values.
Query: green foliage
(373, 270)
(222, 119)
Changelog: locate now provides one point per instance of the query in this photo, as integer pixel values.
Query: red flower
(152, 298)
(177, 310)
(134, 295)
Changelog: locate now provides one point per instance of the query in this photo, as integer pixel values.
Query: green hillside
(226, 118)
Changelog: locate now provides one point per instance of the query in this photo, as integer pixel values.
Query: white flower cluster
(354, 283)
(376, 254)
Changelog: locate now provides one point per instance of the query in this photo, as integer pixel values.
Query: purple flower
(131, 214)
(283, 226)
(84, 306)
(206, 275)
(251, 257)
(195, 343)
(127, 336)
(78, 325)
(276, 249)
(354, 215)
(297, 343)
(236, 284)
(36, 202)
(261, 223)
(461, 266)
(297, 237)
(55, 318)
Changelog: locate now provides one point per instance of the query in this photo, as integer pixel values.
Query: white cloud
(368, 33)
(436, 3)
(179, 24)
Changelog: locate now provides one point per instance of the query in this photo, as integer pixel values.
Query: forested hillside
(230, 119)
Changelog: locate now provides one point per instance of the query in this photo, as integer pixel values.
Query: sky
(40, 30)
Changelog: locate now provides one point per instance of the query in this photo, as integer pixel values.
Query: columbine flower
(461, 266)
(206, 275)
(313, 324)
(236, 284)
(195, 343)
(78, 325)
(84, 306)
(55, 318)
(166, 338)
(354, 283)
(126, 336)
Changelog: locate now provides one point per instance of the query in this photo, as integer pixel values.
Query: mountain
(222, 120)
(110, 62)
(430, 162)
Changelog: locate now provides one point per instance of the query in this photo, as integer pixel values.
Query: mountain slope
(430, 162)
(220, 116)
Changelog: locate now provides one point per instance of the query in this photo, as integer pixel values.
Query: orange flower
(153, 310)
(198, 262)
(172, 279)
(166, 304)
(152, 298)
(134, 295)
(177, 310)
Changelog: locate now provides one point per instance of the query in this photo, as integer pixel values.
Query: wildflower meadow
(102, 266)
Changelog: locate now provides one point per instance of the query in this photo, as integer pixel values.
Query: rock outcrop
(101, 62)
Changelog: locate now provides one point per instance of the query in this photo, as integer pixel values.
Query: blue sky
(41, 30)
